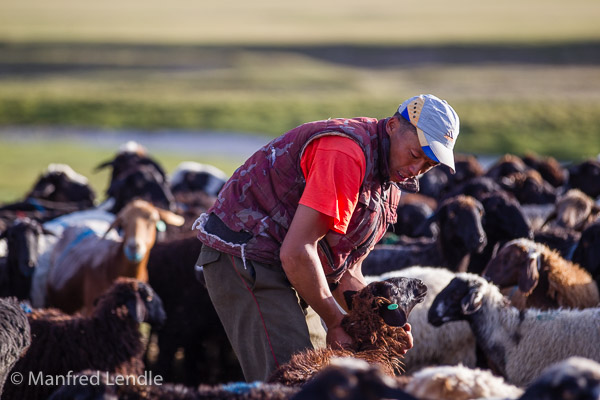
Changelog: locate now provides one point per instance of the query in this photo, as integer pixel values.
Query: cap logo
(449, 136)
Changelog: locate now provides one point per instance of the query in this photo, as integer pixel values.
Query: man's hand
(337, 337)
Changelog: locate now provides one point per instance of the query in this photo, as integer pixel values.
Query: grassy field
(307, 22)
(523, 75)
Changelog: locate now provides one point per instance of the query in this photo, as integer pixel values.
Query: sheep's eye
(148, 298)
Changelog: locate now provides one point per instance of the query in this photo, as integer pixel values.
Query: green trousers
(262, 314)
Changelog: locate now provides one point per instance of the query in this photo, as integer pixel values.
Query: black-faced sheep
(503, 220)
(518, 344)
(26, 240)
(450, 344)
(192, 322)
(506, 165)
(461, 234)
(587, 252)
(413, 220)
(15, 336)
(109, 340)
(540, 277)
(574, 378)
(585, 176)
(377, 325)
(475, 187)
(458, 382)
(84, 265)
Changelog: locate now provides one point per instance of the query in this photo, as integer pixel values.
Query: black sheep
(108, 340)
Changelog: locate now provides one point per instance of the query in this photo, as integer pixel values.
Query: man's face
(407, 158)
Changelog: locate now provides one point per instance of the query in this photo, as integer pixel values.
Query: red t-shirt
(334, 168)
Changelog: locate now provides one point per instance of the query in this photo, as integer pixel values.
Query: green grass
(309, 21)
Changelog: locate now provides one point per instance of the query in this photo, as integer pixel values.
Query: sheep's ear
(472, 301)
(529, 276)
(170, 218)
(348, 296)
(104, 165)
(112, 226)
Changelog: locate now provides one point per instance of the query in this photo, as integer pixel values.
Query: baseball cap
(437, 126)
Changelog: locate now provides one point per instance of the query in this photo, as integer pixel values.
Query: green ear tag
(392, 307)
(161, 226)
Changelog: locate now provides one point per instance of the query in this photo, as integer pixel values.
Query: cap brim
(444, 154)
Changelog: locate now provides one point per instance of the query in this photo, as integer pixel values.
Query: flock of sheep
(495, 269)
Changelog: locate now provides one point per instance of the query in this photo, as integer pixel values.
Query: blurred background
(213, 81)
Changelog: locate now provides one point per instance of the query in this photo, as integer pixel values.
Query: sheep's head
(392, 299)
(517, 263)
(462, 297)
(461, 230)
(139, 221)
(504, 218)
(132, 300)
(587, 253)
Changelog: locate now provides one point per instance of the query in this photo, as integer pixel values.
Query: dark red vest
(262, 196)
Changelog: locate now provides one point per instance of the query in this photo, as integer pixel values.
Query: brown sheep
(377, 325)
(575, 210)
(84, 265)
(535, 276)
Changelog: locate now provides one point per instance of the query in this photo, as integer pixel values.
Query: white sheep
(447, 345)
(458, 382)
(517, 344)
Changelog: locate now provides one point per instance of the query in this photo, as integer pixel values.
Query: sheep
(191, 176)
(506, 165)
(458, 382)
(139, 182)
(549, 169)
(130, 155)
(461, 234)
(192, 323)
(573, 378)
(26, 240)
(587, 252)
(15, 336)
(541, 277)
(503, 220)
(563, 240)
(529, 187)
(413, 220)
(344, 379)
(585, 176)
(108, 340)
(447, 345)
(83, 265)
(518, 344)
(377, 325)
(574, 210)
(475, 187)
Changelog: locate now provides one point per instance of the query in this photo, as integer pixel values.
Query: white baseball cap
(437, 126)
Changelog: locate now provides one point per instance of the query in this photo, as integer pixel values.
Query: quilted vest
(262, 195)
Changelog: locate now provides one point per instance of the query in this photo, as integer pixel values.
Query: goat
(109, 340)
(541, 277)
(461, 234)
(377, 325)
(518, 344)
(83, 265)
(15, 336)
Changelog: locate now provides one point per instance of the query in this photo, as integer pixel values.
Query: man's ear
(348, 295)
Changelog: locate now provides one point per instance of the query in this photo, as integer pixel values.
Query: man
(289, 230)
